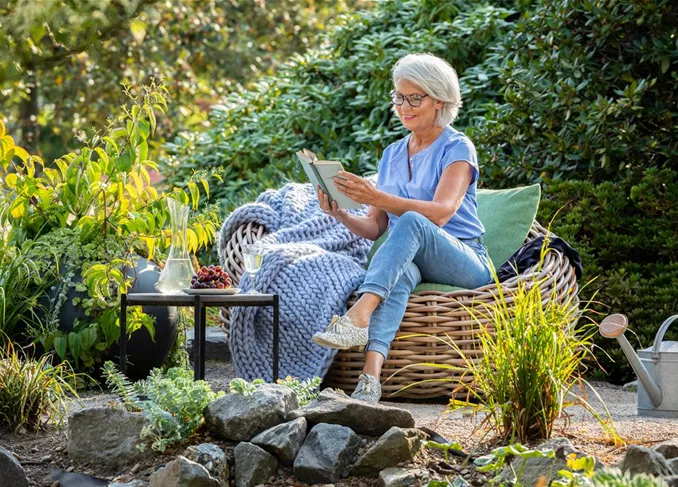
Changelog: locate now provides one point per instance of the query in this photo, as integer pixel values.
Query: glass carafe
(178, 270)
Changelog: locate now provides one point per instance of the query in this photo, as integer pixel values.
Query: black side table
(199, 302)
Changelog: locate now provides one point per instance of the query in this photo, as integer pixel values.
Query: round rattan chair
(440, 316)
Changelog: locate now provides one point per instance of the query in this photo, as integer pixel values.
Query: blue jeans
(415, 250)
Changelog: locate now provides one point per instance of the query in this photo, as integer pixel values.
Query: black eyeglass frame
(394, 94)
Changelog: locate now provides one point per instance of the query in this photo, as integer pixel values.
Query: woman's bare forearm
(363, 226)
(438, 213)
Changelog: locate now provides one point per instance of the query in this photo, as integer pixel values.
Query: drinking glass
(253, 255)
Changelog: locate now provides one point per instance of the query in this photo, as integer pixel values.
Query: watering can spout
(614, 326)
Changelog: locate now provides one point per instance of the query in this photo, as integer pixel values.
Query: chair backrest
(507, 215)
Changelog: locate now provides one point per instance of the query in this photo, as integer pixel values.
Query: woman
(426, 197)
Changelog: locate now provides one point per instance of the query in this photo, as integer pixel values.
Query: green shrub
(589, 93)
(580, 472)
(33, 393)
(171, 400)
(628, 240)
(91, 214)
(21, 285)
(335, 101)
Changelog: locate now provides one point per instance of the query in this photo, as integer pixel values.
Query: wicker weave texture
(438, 315)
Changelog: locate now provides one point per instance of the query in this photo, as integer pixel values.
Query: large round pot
(143, 354)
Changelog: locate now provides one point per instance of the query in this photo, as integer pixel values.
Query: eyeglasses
(414, 100)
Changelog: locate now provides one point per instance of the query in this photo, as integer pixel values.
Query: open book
(321, 173)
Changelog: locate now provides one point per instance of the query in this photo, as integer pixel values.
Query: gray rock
(400, 477)
(395, 446)
(668, 448)
(671, 480)
(213, 458)
(13, 474)
(133, 483)
(541, 471)
(105, 436)
(639, 459)
(253, 465)
(326, 454)
(630, 386)
(182, 472)
(67, 478)
(360, 416)
(673, 465)
(239, 418)
(284, 440)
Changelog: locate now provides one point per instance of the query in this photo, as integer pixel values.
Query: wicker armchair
(436, 314)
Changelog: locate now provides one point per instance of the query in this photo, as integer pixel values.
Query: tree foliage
(66, 60)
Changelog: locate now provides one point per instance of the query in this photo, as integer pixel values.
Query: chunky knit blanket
(312, 262)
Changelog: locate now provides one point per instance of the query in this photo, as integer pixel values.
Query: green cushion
(507, 215)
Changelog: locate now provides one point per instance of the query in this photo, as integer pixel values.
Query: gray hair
(437, 78)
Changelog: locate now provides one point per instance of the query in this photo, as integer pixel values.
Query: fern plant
(171, 400)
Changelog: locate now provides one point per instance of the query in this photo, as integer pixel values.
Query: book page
(328, 170)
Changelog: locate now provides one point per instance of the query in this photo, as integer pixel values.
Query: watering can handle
(660, 336)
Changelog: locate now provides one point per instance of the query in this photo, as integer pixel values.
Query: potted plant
(94, 225)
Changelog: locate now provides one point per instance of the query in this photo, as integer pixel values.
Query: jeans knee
(410, 219)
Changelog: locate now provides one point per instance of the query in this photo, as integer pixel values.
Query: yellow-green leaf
(195, 193)
(11, 180)
(206, 185)
(21, 153)
(18, 208)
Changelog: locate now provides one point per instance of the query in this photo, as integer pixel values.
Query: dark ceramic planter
(143, 354)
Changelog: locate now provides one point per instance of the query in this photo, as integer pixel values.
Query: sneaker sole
(325, 343)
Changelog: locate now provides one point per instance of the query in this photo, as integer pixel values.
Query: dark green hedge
(335, 101)
(627, 236)
(590, 93)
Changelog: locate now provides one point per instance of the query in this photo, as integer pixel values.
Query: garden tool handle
(660, 336)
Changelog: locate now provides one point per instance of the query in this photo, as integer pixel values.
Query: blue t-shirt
(427, 167)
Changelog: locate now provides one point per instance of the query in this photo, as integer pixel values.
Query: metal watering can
(656, 368)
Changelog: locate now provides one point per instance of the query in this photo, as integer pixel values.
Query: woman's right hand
(331, 209)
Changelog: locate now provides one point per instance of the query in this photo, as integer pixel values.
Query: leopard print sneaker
(341, 334)
(368, 389)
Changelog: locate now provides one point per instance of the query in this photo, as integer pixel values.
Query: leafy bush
(580, 472)
(534, 350)
(90, 215)
(628, 240)
(335, 101)
(33, 393)
(63, 62)
(21, 284)
(589, 94)
(171, 400)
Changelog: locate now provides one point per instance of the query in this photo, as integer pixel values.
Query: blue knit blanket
(312, 262)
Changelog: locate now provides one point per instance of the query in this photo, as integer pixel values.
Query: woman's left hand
(358, 189)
